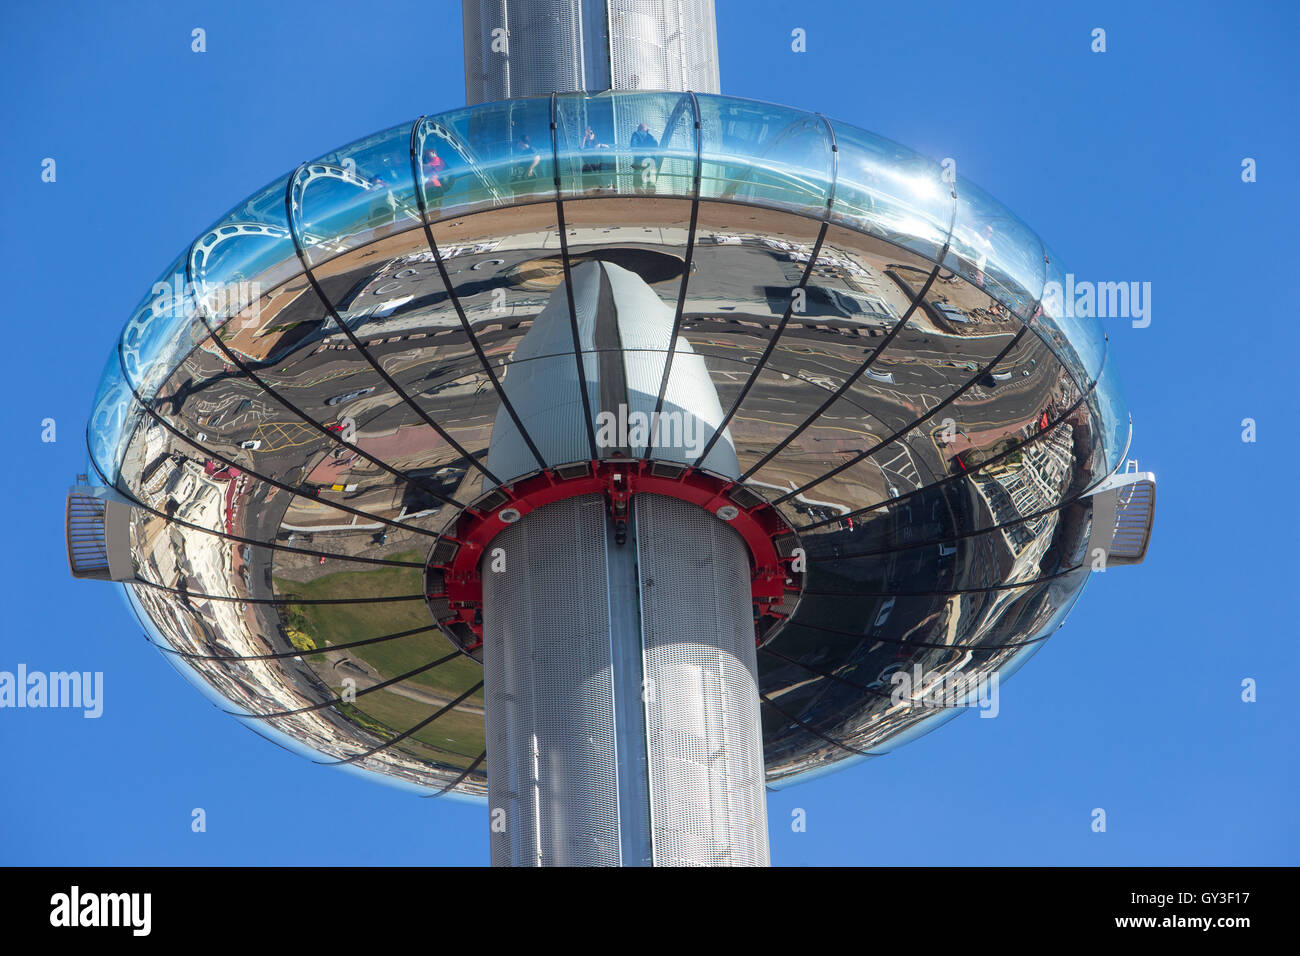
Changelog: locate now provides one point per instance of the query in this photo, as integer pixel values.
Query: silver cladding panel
(553, 752)
(663, 45)
(542, 379)
(549, 698)
(521, 48)
(708, 805)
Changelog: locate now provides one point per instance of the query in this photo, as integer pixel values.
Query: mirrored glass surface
(325, 381)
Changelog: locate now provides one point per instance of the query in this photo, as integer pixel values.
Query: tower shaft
(521, 48)
(621, 690)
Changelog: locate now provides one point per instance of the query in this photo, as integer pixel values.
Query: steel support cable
(335, 437)
(231, 463)
(789, 309)
(296, 238)
(1027, 323)
(272, 602)
(816, 733)
(686, 276)
(457, 305)
(862, 688)
(867, 452)
(951, 592)
(1087, 491)
(333, 702)
(825, 675)
(848, 382)
(281, 655)
(767, 353)
(406, 733)
(1060, 506)
(958, 475)
(884, 343)
(135, 502)
(455, 783)
(568, 288)
(927, 644)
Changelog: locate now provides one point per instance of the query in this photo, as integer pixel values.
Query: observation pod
(607, 457)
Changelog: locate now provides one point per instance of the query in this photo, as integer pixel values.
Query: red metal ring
(455, 590)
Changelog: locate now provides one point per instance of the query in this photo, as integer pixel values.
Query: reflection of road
(277, 435)
(366, 676)
(420, 343)
(812, 505)
(826, 348)
(900, 472)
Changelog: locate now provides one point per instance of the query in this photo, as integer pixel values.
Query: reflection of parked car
(886, 675)
(883, 615)
(348, 396)
(818, 301)
(472, 387)
(886, 377)
(992, 378)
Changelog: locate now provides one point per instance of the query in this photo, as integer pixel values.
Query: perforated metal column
(520, 48)
(707, 799)
(622, 700)
(552, 780)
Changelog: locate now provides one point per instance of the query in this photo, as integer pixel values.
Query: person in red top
(435, 169)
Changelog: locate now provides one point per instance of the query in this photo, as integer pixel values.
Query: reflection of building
(1028, 486)
(383, 522)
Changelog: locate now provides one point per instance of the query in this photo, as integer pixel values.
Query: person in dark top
(644, 166)
(593, 161)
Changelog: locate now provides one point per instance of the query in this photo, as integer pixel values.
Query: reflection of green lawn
(345, 623)
(382, 709)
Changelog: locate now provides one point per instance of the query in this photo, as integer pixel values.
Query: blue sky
(1128, 164)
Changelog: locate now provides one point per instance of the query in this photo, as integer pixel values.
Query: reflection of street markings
(907, 474)
(277, 435)
(866, 436)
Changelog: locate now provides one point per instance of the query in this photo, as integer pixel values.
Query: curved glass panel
(997, 252)
(496, 154)
(164, 326)
(928, 448)
(630, 144)
(111, 418)
(1078, 340)
(357, 195)
(891, 192)
(1108, 398)
(761, 154)
(149, 613)
(238, 267)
